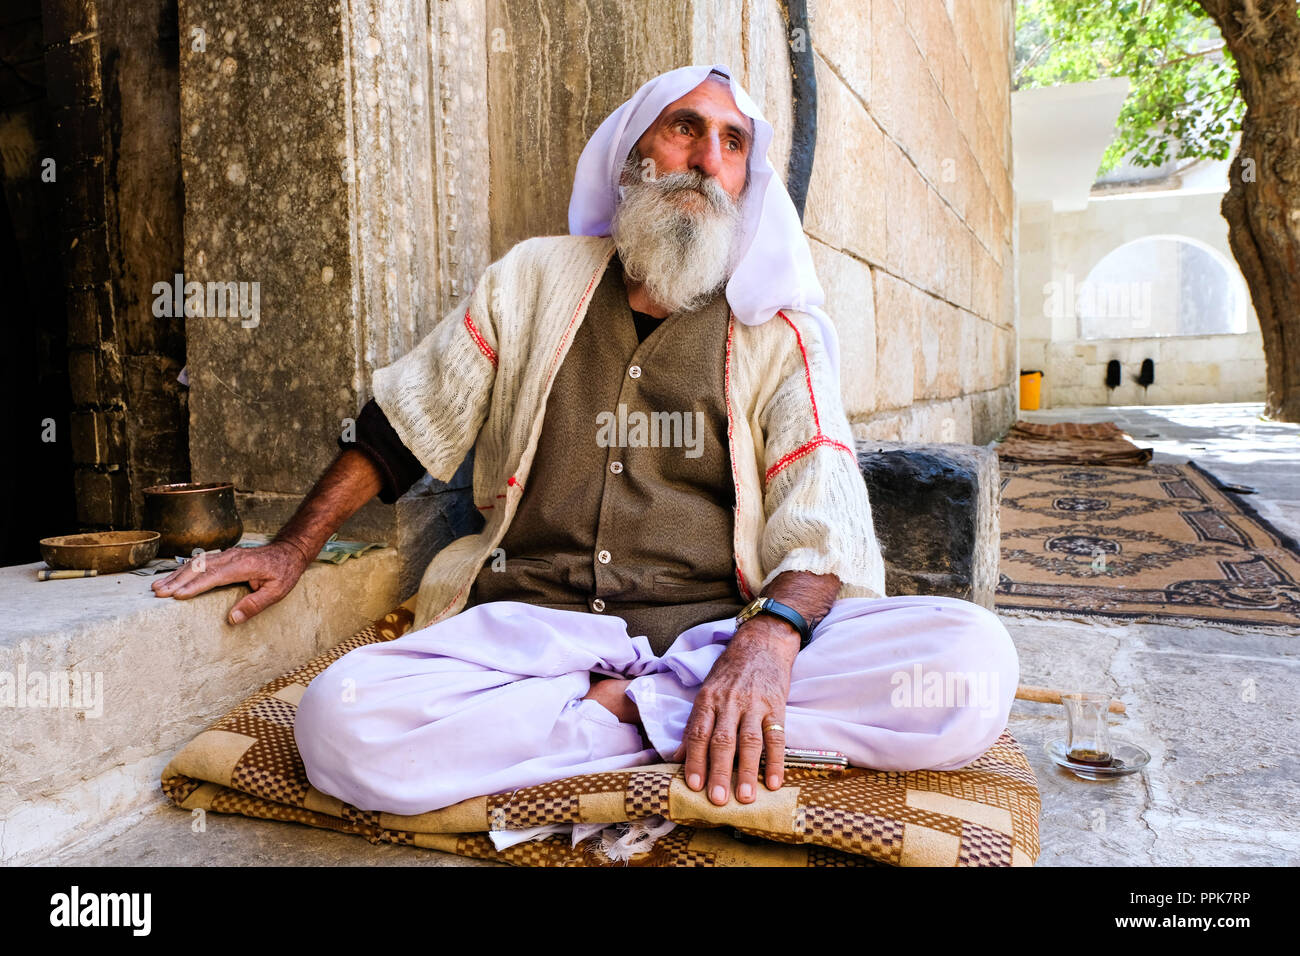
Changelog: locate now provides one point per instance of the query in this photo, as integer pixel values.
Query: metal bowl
(190, 516)
(104, 551)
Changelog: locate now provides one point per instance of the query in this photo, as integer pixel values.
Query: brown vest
(629, 512)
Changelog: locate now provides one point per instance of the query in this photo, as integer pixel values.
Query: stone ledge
(936, 513)
(168, 669)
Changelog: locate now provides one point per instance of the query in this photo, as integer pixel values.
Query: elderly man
(678, 559)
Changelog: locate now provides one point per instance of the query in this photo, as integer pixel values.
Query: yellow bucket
(1031, 384)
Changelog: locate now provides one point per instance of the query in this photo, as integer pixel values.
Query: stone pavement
(1221, 787)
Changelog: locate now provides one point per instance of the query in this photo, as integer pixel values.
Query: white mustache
(707, 186)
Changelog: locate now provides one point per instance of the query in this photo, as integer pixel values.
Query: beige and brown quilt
(1071, 443)
(985, 814)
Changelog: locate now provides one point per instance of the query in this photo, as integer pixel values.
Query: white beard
(680, 248)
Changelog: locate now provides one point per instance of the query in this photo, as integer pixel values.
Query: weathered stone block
(907, 233)
(90, 316)
(358, 205)
(95, 377)
(429, 517)
(840, 31)
(72, 72)
(936, 515)
(890, 95)
(969, 344)
(897, 305)
(941, 235)
(98, 438)
(927, 128)
(85, 259)
(985, 375)
(102, 497)
(846, 162)
(81, 193)
(850, 302)
(927, 361)
(78, 134)
(992, 413)
(81, 376)
(1004, 350)
(939, 351)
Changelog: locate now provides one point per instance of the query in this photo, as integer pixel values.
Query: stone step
(150, 673)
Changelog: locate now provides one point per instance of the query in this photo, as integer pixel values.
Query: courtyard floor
(1221, 788)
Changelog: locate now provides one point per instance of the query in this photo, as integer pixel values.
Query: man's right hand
(270, 570)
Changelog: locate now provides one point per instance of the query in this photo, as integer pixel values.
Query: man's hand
(744, 694)
(271, 571)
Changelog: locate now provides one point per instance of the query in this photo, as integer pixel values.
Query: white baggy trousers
(491, 699)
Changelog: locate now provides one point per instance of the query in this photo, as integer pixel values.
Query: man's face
(677, 221)
(703, 131)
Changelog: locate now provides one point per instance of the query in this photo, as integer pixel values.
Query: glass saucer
(1128, 758)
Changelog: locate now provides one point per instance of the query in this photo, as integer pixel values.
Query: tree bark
(1262, 205)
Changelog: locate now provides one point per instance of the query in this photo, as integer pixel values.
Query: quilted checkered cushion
(985, 814)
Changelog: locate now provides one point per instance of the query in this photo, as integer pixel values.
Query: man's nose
(707, 155)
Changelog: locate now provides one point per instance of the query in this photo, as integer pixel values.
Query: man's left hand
(744, 695)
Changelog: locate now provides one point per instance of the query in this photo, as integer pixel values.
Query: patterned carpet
(1155, 542)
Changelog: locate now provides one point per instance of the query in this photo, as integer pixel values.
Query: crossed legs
(500, 696)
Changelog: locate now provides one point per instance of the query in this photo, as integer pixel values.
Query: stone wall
(366, 161)
(911, 213)
(336, 156)
(113, 90)
(910, 205)
(1062, 248)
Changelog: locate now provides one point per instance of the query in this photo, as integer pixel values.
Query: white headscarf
(775, 269)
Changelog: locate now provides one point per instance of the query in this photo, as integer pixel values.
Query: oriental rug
(985, 814)
(1156, 542)
(1071, 443)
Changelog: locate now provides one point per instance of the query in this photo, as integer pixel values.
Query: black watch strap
(786, 612)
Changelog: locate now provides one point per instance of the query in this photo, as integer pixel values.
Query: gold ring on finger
(773, 727)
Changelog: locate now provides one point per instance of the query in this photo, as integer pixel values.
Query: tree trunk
(1262, 205)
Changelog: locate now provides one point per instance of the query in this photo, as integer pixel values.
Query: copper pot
(190, 516)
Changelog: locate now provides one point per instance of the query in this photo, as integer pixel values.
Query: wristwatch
(784, 611)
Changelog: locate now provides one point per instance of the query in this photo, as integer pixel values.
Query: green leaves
(1183, 99)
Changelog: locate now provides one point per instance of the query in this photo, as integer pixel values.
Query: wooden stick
(1051, 695)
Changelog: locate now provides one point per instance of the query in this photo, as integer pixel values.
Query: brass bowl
(190, 516)
(104, 551)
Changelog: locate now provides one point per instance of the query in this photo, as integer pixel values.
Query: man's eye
(683, 128)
